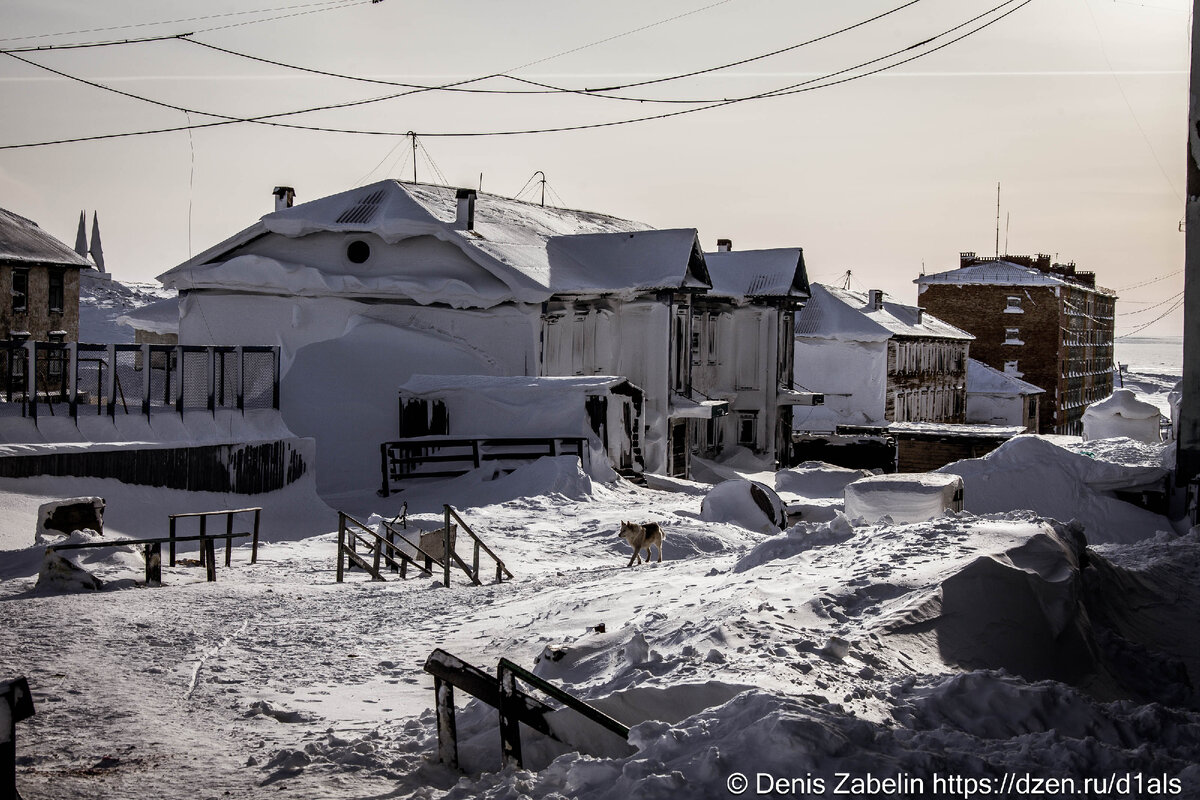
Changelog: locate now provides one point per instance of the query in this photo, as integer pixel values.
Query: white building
(743, 340)
(877, 361)
(1000, 398)
(366, 288)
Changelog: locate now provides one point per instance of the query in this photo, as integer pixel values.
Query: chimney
(285, 196)
(920, 315)
(875, 299)
(966, 259)
(724, 245)
(464, 219)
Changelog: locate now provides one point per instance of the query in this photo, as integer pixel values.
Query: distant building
(40, 277)
(1000, 398)
(1046, 323)
(877, 362)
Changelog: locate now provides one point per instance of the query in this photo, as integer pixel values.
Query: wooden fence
(452, 456)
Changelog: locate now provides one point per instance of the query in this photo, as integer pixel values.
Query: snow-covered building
(877, 361)
(743, 342)
(1047, 323)
(1000, 398)
(365, 288)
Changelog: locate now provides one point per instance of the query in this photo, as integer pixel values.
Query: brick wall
(37, 318)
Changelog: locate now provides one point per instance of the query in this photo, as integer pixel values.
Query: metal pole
(1188, 446)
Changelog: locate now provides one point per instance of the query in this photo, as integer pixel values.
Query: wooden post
(447, 729)
(178, 382)
(31, 378)
(154, 564)
(111, 388)
(146, 375)
(341, 542)
(228, 537)
(383, 465)
(475, 563)
(240, 357)
(446, 548)
(211, 558)
(510, 724)
(254, 539)
(475, 452)
(203, 520)
(73, 379)
(172, 535)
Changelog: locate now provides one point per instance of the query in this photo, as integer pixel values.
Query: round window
(358, 251)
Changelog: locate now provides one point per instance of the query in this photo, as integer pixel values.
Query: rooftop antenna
(997, 219)
(414, 149)
(846, 281)
(539, 172)
(1007, 224)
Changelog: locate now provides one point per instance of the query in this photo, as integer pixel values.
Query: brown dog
(641, 537)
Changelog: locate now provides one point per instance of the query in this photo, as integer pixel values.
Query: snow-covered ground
(102, 301)
(976, 653)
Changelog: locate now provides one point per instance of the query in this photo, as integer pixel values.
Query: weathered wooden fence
(238, 468)
(73, 378)
(452, 456)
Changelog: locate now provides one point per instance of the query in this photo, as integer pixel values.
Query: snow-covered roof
(956, 429)
(996, 273)
(778, 272)
(533, 252)
(22, 241)
(845, 314)
(161, 316)
(983, 379)
(442, 385)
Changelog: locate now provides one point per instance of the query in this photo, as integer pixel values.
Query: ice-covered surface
(1121, 415)
(994, 273)
(849, 315)
(973, 647)
(982, 379)
(903, 498)
(103, 301)
(743, 274)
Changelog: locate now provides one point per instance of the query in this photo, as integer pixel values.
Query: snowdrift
(1121, 415)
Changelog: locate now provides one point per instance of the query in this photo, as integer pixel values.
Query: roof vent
(724, 245)
(363, 210)
(464, 219)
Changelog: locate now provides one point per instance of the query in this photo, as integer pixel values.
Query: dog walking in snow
(641, 537)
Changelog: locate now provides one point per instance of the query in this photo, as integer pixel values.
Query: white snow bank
(557, 476)
(797, 539)
(1121, 414)
(749, 504)
(817, 479)
(1032, 472)
(73, 570)
(903, 498)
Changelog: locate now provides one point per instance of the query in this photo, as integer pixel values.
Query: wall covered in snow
(851, 374)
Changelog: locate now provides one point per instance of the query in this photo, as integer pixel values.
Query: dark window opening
(56, 290)
(20, 289)
(358, 251)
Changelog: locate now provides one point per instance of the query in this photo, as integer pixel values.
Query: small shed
(606, 410)
(1000, 398)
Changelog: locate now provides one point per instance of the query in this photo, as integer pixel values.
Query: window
(56, 290)
(1011, 368)
(1013, 305)
(20, 289)
(1012, 336)
(748, 428)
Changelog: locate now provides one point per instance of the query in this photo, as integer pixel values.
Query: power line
(1164, 315)
(267, 119)
(1150, 308)
(1152, 280)
(322, 6)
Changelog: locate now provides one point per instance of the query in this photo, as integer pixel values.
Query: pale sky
(1078, 108)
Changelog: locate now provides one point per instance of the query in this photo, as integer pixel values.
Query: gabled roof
(984, 379)
(834, 313)
(776, 273)
(23, 242)
(533, 251)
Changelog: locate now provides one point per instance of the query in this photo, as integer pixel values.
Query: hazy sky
(1077, 107)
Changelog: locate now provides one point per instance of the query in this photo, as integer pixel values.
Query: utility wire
(1152, 280)
(268, 119)
(323, 6)
(1150, 308)
(1162, 316)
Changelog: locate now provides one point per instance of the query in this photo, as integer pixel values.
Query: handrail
(473, 571)
(377, 544)
(597, 716)
(228, 535)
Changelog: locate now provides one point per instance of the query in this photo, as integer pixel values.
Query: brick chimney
(464, 219)
(285, 196)
(724, 245)
(966, 259)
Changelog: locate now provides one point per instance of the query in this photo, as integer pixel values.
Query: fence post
(203, 553)
(447, 727)
(254, 540)
(341, 542)
(31, 378)
(177, 385)
(171, 535)
(383, 465)
(228, 537)
(510, 724)
(446, 545)
(240, 357)
(73, 379)
(146, 375)
(212, 379)
(475, 452)
(111, 388)
(275, 379)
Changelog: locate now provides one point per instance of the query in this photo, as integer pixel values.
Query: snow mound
(817, 479)
(72, 570)
(1121, 414)
(561, 476)
(58, 517)
(904, 498)
(1032, 472)
(797, 539)
(748, 504)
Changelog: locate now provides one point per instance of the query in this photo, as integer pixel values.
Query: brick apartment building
(1046, 323)
(39, 279)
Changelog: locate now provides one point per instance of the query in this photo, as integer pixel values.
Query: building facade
(39, 277)
(1045, 323)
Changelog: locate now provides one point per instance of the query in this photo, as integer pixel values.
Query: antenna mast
(997, 219)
